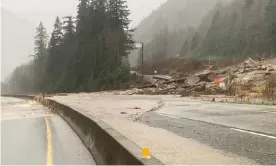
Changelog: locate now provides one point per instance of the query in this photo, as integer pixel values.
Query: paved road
(245, 130)
(31, 135)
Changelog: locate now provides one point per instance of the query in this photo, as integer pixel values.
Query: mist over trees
(89, 52)
(223, 29)
(169, 26)
(85, 53)
(239, 29)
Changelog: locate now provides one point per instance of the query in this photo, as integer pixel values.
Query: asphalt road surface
(32, 135)
(245, 130)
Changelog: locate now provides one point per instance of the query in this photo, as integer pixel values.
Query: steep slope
(165, 30)
(17, 41)
(176, 14)
(236, 30)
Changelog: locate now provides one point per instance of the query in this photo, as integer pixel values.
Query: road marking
(254, 133)
(49, 157)
(175, 117)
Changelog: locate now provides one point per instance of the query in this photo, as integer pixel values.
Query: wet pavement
(32, 135)
(245, 130)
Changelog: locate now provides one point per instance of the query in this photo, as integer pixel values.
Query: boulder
(249, 62)
(206, 76)
(192, 80)
(261, 67)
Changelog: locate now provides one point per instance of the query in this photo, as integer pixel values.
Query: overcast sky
(46, 10)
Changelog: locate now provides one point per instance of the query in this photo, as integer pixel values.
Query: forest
(83, 53)
(90, 52)
(230, 29)
(241, 29)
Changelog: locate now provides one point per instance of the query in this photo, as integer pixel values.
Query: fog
(20, 18)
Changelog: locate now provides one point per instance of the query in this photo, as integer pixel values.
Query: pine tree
(41, 41)
(270, 15)
(118, 14)
(54, 62)
(185, 48)
(69, 27)
(85, 55)
(211, 42)
(83, 11)
(195, 41)
(57, 34)
(40, 57)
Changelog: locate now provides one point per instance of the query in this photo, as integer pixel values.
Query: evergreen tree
(69, 27)
(185, 48)
(82, 14)
(195, 41)
(119, 21)
(211, 42)
(41, 41)
(57, 34)
(270, 15)
(40, 57)
(86, 55)
(53, 65)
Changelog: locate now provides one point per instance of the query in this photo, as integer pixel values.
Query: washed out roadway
(32, 135)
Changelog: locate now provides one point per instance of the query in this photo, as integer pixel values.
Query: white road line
(170, 116)
(254, 133)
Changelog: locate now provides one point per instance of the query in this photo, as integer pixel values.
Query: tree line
(236, 30)
(240, 29)
(86, 53)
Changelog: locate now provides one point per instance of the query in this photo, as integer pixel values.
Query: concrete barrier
(106, 145)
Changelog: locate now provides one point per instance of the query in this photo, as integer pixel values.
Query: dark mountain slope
(239, 29)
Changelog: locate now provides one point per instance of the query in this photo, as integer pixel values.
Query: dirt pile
(245, 79)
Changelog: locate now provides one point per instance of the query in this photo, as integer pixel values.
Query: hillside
(237, 30)
(165, 29)
(176, 14)
(17, 41)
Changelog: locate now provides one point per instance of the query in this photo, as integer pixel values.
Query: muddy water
(13, 108)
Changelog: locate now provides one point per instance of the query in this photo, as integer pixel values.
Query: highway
(233, 133)
(32, 135)
(244, 130)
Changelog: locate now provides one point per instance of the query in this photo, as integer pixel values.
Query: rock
(235, 70)
(184, 94)
(207, 76)
(192, 80)
(134, 91)
(224, 71)
(203, 73)
(222, 86)
(162, 77)
(249, 61)
(261, 67)
(247, 70)
(268, 73)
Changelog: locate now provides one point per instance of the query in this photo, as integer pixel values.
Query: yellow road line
(49, 157)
